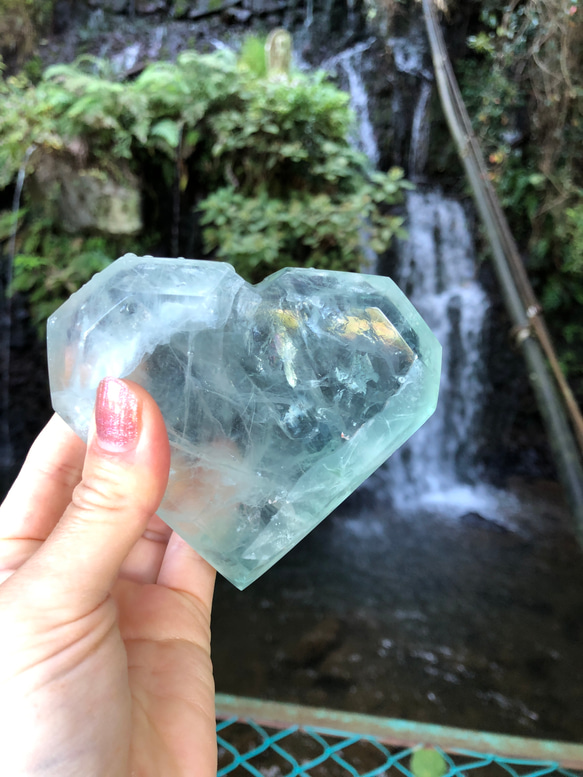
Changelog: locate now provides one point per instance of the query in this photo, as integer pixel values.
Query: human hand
(104, 612)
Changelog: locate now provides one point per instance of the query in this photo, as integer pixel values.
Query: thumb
(124, 478)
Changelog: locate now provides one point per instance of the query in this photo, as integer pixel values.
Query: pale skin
(104, 616)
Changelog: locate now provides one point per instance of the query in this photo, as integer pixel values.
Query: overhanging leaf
(167, 129)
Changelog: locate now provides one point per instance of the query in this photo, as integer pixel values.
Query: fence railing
(271, 739)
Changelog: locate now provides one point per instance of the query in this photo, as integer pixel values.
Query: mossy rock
(22, 22)
(87, 200)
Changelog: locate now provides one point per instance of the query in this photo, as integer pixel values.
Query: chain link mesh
(247, 748)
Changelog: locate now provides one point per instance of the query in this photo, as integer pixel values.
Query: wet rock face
(115, 6)
(183, 9)
(131, 33)
(150, 6)
(17, 36)
(30, 406)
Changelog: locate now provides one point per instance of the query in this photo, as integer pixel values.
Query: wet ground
(457, 621)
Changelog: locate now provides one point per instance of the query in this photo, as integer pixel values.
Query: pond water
(458, 621)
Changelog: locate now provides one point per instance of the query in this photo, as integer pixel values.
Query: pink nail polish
(116, 416)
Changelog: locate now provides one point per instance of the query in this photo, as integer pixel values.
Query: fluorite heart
(279, 398)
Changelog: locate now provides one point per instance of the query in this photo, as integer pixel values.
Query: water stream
(348, 64)
(420, 132)
(437, 270)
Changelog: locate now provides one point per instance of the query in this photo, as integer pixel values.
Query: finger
(144, 560)
(45, 484)
(124, 478)
(15, 553)
(183, 569)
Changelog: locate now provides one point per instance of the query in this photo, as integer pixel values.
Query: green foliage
(262, 234)
(265, 164)
(494, 101)
(524, 90)
(8, 221)
(49, 267)
(573, 237)
(252, 55)
(33, 69)
(115, 119)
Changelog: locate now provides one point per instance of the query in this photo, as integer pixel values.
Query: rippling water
(430, 616)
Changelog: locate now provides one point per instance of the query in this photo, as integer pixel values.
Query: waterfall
(410, 51)
(348, 64)
(439, 465)
(437, 272)
(309, 20)
(419, 148)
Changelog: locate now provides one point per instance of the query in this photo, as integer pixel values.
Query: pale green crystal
(279, 398)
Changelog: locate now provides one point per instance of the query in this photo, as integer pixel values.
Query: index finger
(43, 489)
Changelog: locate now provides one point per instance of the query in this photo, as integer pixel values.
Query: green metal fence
(268, 739)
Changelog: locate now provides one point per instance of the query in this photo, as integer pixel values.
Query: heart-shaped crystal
(279, 398)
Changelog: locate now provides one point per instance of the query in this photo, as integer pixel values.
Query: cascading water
(348, 65)
(437, 271)
(419, 148)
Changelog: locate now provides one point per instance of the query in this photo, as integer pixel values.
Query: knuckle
(99, 490)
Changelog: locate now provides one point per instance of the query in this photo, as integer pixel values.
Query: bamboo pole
(519, 298)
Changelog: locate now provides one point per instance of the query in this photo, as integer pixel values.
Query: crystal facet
(279, 398)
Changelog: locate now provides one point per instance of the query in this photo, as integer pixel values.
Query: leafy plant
(252, 55)
(265, 164)
(50, 267)
(524, 89)
(262, 234)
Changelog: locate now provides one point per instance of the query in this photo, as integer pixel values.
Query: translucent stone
(279, 398)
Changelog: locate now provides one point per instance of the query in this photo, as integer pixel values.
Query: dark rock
(316, 643)
(115, 6)
(478, 521)
(62, 15)
(336, 668)
(265, 7)
(145, 7)
(204, 8)
(236, 15)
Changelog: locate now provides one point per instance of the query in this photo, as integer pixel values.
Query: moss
(21, 25)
